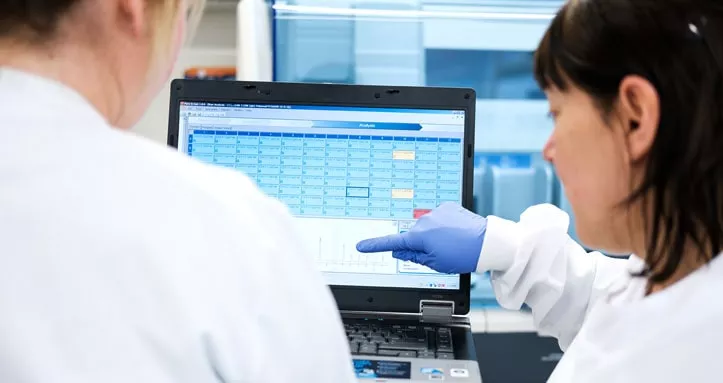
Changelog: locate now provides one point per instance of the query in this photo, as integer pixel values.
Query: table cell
(357, 211)
(312, 181)
(312, 191)
(449, 185)
(335, 181)
(360, 144)
(357, 202)
(380, 212)
(224, 158)
(358, 173)
(314, 153)
(381, 164)
(247, 160)
(336, 153)
(225, 140)
(270, 150)
(450, 176)
(336, 162)
(403, 165)
(406, 193)
(380, 202)
(402, 184)
(426, 165)
(335, 172)
(227, 165)
(425, 203)
(425, 194)
(425, 175)
(312, 171)
(289, 142)
(225, 149)
(358, 182)
(334, 201)
(427, 156)
(402, 204)
(452, 147)
(270, 160)
(445, 195)
(425, 184)
(382, 154)
(269, 169)
(357, 192)
(247, 140)
(312, 211)
(247, 150)
(449, 157)
(269, 141)
(312, 200)
(203, 148)
(203, 139)
(292, 151)
(290, 180)
(334, 211)
(291, 170)
(358, 154)
(314, 144)
(380, 183)
(380, 192)
(311, 162)
(403, 174)
(404, 145)
(426, 146)
(358, 163)
(402, 213)
(288, 199)
(403, 155)
(449, 166)
(381, 173)
(267, 179)
(293, 162)
(334, 191)
(337, 143)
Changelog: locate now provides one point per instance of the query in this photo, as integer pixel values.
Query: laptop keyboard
(400, 340)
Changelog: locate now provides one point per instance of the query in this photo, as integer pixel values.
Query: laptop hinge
(436, 311)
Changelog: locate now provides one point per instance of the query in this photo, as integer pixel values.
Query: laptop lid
(351, 162)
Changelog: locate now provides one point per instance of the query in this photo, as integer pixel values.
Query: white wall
(214, 45)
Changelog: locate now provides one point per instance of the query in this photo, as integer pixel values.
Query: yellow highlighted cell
(402, 193)
(407, 155)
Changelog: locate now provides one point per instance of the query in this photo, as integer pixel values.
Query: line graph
(333, 243)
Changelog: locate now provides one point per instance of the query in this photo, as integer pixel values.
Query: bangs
(548, 69)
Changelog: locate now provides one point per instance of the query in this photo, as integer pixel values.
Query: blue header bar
(325, 136)
(325, 107)
(367, 125)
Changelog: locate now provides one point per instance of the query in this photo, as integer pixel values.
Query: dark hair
(34, 19)
(677, 45)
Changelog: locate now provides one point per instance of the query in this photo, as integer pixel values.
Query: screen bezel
(350, 298)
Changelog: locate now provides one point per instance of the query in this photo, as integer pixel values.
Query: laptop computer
(354, 162)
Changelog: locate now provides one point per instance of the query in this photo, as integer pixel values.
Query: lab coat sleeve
(535, 262)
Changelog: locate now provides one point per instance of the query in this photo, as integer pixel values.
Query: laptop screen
(346, 174)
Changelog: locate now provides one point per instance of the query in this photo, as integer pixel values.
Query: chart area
(333, 244)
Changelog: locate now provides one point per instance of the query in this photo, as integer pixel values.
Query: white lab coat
(610, 331)
(123, 261)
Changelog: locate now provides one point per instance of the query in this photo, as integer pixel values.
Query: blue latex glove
(448, 240)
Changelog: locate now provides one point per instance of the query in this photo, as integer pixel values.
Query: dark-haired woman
(636, 91)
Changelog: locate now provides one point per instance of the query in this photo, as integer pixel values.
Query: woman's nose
(548, 152)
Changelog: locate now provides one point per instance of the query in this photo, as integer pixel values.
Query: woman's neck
(68, 64)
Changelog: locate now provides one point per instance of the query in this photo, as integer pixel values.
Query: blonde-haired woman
(121, 261)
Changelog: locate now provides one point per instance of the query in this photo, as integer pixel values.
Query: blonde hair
(163, 14)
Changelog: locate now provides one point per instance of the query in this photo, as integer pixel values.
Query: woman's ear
(639, 108)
